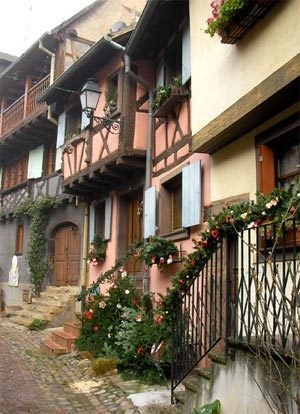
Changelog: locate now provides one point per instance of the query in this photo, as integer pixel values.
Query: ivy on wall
(37, 212)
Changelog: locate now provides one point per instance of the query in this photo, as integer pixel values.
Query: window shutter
(150, 212)
(160, 73)
(61, 130)
(85, 121)
(58, 159)
(186, 54)
(92, 223)
(35, 162)
(267, 169)
(1, 178)
(107, 226)
(191, 194)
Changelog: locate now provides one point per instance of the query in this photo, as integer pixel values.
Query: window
(176, 204)
(15, 173)
(49, 159)
(279, 158)
(19, 239)
(100, 220)
(175, 62)
(73, 120)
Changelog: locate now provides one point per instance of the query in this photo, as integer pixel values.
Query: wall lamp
(89, 98)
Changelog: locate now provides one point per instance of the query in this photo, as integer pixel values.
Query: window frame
(19, 246)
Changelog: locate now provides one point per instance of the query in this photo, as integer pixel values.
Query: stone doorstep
(191, 383)
(72, 328)
(52, 349)
(179, 396)
(64, 339)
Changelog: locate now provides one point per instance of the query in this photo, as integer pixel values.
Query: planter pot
(178, 94)
(245, 19)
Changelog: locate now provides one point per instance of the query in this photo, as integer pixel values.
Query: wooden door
(66, 256)
(134, 234)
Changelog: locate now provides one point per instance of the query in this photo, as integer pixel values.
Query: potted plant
(110, 101)
(97, 250)
(167, 96)
(231, 19)
(158, 250)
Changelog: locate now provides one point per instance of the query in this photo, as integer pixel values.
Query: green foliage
(37, 211)
(102, 316)
(97, 251)
(162, 93)
(37, 325)
(101, 366)
(224, 15)
(111, 96)
(158, 250)
(212, 408)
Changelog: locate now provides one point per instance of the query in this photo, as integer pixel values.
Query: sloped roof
(7, 57)
(86, 66)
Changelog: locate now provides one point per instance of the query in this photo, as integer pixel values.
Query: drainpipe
(52, 71)
(83, 276)
(147, 86)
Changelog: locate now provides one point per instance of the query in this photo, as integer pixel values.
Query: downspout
(52, 71)
(147, 86)
(83, 276)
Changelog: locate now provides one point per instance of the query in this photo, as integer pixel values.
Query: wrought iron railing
(199, 323)
(249, 291)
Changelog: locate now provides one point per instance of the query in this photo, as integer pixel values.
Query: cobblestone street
(30, 382)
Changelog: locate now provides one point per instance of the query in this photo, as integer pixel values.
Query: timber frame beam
(279, 90)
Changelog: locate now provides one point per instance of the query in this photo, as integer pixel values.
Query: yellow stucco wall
(221, 74)
(233, 170)
(98, 23)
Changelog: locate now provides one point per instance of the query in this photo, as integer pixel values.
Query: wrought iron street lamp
(89, 98)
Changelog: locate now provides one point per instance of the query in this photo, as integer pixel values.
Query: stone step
(64, 339)
(179, 396)
(203, 372)
(43, 315)
(63, 289)
(20, 320)
(41, 307)
(72, 328)
(53, 349)
(218, 358)
(191, 383)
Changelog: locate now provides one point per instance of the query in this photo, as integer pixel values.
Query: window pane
(100, 220)
(177, 207)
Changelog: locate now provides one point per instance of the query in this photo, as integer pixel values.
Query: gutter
(52, 71)
(147, 86)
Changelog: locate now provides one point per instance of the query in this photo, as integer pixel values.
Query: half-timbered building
(31, 137)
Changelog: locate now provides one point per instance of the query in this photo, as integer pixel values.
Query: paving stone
(62, 386)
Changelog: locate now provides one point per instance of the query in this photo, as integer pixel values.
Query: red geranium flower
(89, 314)
(181, 282)
(214, 233)
(134, 301)
(141, 350)
(292, 210)
(158, 319)
(96, 328)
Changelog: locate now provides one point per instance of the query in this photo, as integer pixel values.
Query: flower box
(245, 19)
(178, 94)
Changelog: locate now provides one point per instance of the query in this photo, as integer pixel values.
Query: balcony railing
(247, 293)
(24, 107)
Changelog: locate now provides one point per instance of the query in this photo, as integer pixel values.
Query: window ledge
(177, 235)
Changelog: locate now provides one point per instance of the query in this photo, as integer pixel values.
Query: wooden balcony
(97, 162)
(26, 107)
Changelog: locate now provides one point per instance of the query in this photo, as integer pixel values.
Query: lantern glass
(90, 95)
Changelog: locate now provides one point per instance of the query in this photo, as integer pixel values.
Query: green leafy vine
(37, 211)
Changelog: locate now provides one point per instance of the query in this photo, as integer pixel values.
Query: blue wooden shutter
(150, 212)
(61, 130)
(60, 139)
(160, 81)
(92, 223)
(108, 211)
(191, 194)
(85, 121)
(35, 162)
(186, 54)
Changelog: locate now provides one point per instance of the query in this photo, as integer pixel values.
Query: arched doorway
(66, 255)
